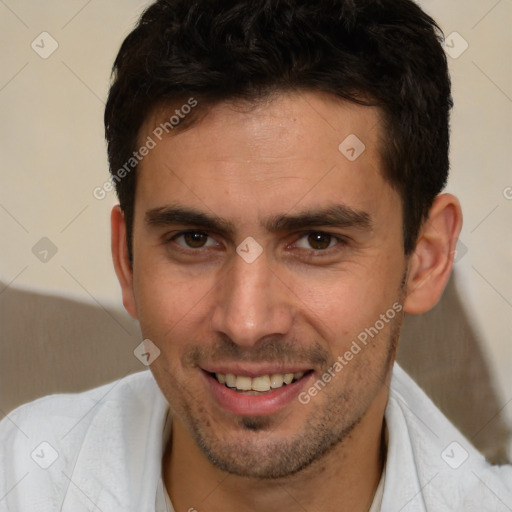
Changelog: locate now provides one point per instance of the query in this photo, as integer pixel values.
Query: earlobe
(431, 263)
(121, 259)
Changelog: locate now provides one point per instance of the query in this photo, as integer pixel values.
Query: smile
(259, 384)
(255, 393)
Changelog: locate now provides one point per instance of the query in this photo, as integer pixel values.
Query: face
(262, 254)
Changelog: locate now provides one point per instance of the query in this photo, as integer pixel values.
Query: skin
(298, 303)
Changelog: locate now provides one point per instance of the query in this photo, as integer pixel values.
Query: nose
(252, 303)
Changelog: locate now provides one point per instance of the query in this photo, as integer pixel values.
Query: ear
(121, 259)
(431, 263)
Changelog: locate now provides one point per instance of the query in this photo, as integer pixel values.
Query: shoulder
(41, 441)
(60, 412)
(432, 462)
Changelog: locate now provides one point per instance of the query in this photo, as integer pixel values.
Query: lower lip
(256, 405)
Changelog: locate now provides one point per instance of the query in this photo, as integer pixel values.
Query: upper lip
(254, 370)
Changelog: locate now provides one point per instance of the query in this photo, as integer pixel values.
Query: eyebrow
(340, 216)
(171, 215)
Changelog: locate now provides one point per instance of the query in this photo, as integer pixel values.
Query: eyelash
(340, 241)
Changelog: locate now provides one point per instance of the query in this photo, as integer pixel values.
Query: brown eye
(319, 241)
(195, 239)
(193, 242)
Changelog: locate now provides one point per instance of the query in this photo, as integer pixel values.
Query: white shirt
(101, 451)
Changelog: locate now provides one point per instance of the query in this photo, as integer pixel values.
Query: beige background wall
(53, 153)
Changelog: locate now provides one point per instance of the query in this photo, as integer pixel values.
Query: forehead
(303, 147)
(293, 116)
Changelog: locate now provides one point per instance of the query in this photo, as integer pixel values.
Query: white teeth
(288, 377)
(230, 380)
(262, 383)
(276, 380)
(243, 383)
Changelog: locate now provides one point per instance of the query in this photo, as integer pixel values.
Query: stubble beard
(256, 452)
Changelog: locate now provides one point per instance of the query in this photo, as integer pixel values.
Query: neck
(343, 480)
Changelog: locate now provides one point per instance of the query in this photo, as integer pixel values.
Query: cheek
(170, 303)
(347, 303)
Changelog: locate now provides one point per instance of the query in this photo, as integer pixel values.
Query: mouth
(258, 385)
(256, 393)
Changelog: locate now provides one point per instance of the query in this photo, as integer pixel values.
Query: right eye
(194, 240)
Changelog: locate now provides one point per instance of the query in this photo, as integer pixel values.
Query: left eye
(194, 240)
(317, 241)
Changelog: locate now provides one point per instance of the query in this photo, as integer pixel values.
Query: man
(279, 166)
